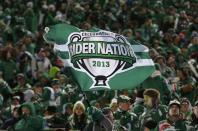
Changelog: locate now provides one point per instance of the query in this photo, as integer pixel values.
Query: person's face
(15, 102)
(62, 80)
(56, 88)
(177, 40)
(68, 111)
(114, 107)
(195, 40)
(129, 34)
(97, 105)
(160, 61)
(183, 14)
(148, 101)
(20, 80)
(171, 59)
(28, 40)
(184, 107)
(25, 111)
(42, 54)
(79, 110)
(38, 90)
(149, 22)
(137, 34)
(125, 106)
(146, 129)
(174, 110)
(195, 111)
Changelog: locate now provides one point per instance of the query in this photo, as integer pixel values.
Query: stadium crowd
(37, 91)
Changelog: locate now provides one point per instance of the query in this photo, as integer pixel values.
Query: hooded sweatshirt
(29, 122)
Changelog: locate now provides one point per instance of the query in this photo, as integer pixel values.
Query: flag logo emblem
(100, 54)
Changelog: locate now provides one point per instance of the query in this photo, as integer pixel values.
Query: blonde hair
(79, 104)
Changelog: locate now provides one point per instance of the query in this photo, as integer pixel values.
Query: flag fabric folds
(99, 59)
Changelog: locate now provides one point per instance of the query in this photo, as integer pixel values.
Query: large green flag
(100, 59)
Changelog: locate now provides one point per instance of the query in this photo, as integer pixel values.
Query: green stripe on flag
(63, 54)
(59, 33)
(133, 80)
(103, 56)
(139, 55)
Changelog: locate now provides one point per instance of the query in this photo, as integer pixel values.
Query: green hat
(93, 102)
(196, 103)
(55, 82)
(106, 110)
(123, 98)
(160, 57)
(126, 31)
(16, 98)
(20, 75)
(37, 85)
(185, 100)
(150, 123)
(174, 102)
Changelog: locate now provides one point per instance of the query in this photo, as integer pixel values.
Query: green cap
(196, 103)
(160, 57)
(123, 98)
(174, 102)
(55, 82)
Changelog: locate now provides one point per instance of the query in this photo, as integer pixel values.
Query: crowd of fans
(37, 91)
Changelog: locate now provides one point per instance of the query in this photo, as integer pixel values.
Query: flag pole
(67, 8)
(84, 96)
(81, 91)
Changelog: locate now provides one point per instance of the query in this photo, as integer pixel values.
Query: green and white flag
(100, 59)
